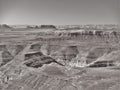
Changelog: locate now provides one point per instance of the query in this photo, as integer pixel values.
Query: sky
(59, 12)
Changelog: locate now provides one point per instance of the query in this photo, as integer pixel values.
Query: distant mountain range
(62, 27)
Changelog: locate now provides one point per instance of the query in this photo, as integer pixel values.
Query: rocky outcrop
(103, 64)
(48, 27)
(5, 27)
(5, 57)
(90, 35)
(37, 59)
(36, 47)
(69, 52)
(32, 55)
(15, 49)
(97, 52)
(107, 60)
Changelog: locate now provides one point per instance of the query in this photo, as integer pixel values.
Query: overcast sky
(59, 12)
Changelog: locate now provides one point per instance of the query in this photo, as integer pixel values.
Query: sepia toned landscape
(59, 57)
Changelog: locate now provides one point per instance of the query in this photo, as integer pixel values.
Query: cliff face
(5, 55)
(48, 27)
(77, 54)
(8, 53)
(97, 52)
(90, 34)
(70, 52)
(72, 55)
(15, 49)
